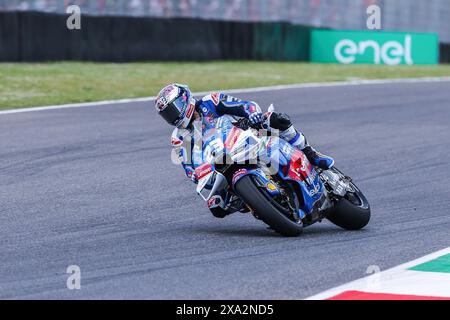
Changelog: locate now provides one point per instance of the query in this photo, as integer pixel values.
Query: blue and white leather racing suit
(210, 108)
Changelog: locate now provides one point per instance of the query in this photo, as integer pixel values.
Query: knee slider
(280, 121)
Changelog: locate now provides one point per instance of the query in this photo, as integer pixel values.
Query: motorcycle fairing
(300, 170)
(291, 164)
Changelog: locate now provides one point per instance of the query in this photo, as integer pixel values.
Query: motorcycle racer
(176, 104)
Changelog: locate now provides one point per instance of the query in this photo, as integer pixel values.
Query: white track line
(248, 90)
(399, 280)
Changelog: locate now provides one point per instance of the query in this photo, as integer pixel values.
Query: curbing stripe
(441, 264)
(359, 295)
(399, 280)
(231, 91)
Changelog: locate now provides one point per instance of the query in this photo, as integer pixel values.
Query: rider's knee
(280, 121)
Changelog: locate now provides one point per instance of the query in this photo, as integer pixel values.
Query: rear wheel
(267, 209)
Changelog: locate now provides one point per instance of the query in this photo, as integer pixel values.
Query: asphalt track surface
(95, 187)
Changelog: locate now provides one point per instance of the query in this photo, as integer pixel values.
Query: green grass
(28, 84)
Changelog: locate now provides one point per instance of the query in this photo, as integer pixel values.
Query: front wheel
(268, 210)
(351, 212)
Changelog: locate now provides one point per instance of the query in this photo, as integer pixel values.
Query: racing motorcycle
(251, 170)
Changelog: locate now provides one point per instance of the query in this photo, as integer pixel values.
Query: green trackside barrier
(280, 42)
(267, 41)
(370, 47)
(297, 41)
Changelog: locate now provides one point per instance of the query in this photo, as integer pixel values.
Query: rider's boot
(288, 133)
(318, 159)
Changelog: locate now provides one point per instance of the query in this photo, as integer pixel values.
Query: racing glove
(256, 117)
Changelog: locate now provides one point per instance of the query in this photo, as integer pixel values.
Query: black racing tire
(351, 216)
(255, 198)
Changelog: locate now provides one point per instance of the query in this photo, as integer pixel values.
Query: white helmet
(176, 105)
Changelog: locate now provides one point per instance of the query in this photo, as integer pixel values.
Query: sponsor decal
(289, 151)
(391, 53)
(304, 163)
(271, 186)
(162, 97)
(203, 171)
(311, 177)
(232, 138)
(215, 202)
(190, 111)
(212, 202)
(167, 90)
(390, 48)
(161, 104)
(301, 168)
(238, 174)
(215, 98)
(176, 142)
(314, 190)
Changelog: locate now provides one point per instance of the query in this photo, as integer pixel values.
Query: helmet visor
(173, 112)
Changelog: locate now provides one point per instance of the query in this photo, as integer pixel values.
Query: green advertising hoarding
(374, 47)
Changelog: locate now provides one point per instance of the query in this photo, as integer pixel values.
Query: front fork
(338, 186)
